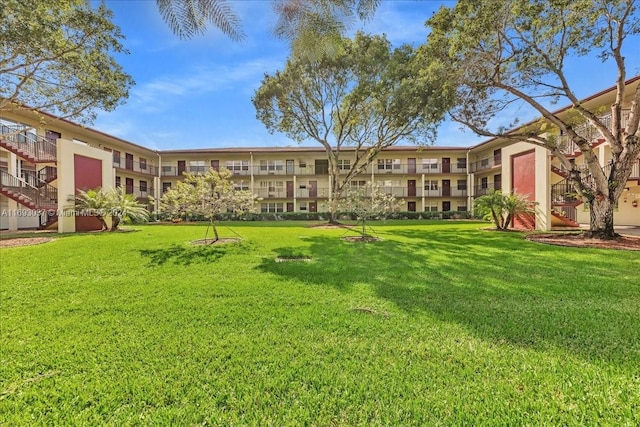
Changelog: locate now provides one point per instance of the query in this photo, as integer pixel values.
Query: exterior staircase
(27, 145)
(564, 201)
(40, 197)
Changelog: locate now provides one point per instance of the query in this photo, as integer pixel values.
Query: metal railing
(145, 168)
(483, 190)
(19, 138)
(48, 174)
(590, 133)
(44, 197)
(486, 163)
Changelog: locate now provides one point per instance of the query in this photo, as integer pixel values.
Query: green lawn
(437, 324)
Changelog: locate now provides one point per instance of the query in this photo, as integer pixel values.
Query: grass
(437, 324)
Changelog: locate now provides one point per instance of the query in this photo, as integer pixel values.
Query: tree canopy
(57, 56)
(503, 52)
(367, 97)
(206, 195)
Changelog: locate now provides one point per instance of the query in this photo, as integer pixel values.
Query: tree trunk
(103, 223)
(216, 237)
(115, 223)
(601, 219)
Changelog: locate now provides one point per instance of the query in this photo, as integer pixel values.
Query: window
(484, 183)
(271, 207)
(166, 186)
(430, 206)
(118, 181)
(240, 186)
(462, 206)
(303, 206)
(237, 166)
(484, 162)
(196, 166)
(462, 184)
(385, 164)
(389, 164)
(116, 158)
(357, 184)
(143, 164)
(271, 166)
(303, 164)
(143, 186)
(344, 165)
(461, 163)
(431, 185)
(429, 164)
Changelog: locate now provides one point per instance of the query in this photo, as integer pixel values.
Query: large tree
(354, 103)
(500, 52)
(57, 56)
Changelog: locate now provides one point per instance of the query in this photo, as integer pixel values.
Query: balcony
(590, 133)
(484, 189)
(419, 169)
(486, 163)
(312, 193)
(129, 165)
(138, 192)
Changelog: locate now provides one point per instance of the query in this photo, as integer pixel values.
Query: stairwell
(42, 198)
(27, 145)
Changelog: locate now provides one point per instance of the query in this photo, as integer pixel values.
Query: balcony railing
(483, 190)
(130, 165)
(486, 163)
(590, 133)
(139, 193)
(40, 149)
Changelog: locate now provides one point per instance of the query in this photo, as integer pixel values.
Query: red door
(313, 207)
(446, 165)
(446, 206)
(128, 185)
(313, 190)
(128, 161)
(289, 206)
(497, 156)
(446, 187)
(289, 190)
(411, 206)
(411, 167)
(411, 187)
(215, 165)
(181, 166)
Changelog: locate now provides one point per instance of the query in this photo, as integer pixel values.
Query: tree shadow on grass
(496, 285)
(187, 255)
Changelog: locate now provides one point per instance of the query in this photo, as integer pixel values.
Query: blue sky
(197, 93)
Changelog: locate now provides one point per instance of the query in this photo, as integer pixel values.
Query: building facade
(42, 165)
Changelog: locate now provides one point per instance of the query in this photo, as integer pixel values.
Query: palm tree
(304, 20)
(515, 205)
(92, 203)
(124, 207)
(491, 207)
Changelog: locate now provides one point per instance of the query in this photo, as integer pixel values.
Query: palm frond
(190, 18)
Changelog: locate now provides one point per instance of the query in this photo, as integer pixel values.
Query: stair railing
(37, 147)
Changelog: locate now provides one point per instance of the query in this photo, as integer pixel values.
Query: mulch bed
(627, 243)
(361, 239)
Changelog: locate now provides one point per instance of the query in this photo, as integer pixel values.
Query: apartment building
(297, 179)
(41, 165)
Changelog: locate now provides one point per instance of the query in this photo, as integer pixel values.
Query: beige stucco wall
(66, 178)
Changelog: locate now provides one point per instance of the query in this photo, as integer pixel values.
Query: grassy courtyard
(437, 324)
